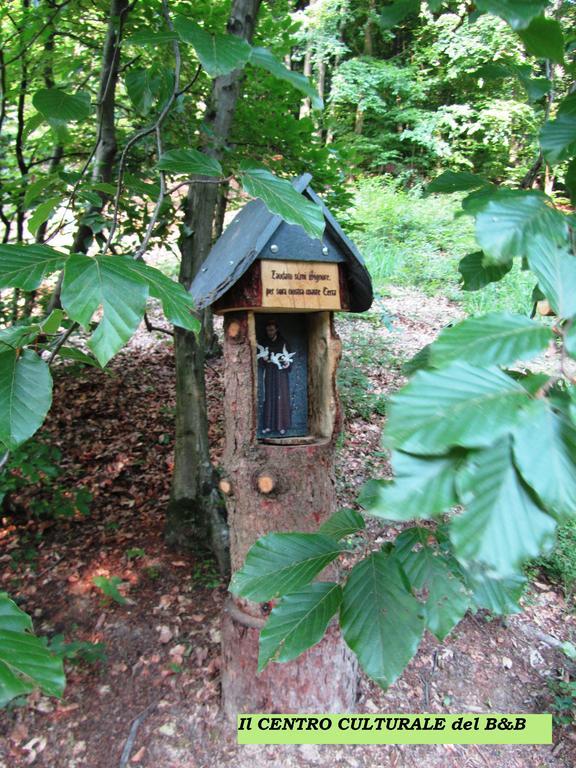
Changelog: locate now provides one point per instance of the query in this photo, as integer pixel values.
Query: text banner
(395, 729)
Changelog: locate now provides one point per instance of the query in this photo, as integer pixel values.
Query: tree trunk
(368, 50)
(368, 30)
(196, 513)
(322, 680)
(218, 227)
(105, 152)
(211, 344)
(359, 119)
(299, 495)
(105, 124)
(321, 87)
(54, 162)
(306, 106)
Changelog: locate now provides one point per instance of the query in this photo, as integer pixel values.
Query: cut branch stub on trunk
(266, 483)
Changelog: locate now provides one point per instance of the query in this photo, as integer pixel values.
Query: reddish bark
(303, 496)
(321, 680)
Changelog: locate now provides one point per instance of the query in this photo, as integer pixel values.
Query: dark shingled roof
(249, 237)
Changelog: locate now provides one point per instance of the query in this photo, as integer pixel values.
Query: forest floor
(154, 701)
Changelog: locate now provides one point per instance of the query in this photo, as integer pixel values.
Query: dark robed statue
(275, 357)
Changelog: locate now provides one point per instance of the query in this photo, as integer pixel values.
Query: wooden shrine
(278, 289)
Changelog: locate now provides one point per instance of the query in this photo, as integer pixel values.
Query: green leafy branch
(120, 286)
(25, 661)
(384, 605)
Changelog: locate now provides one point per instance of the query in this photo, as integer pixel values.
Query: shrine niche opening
(295, 357)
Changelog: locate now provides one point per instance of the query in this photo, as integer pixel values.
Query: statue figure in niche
(275, 356)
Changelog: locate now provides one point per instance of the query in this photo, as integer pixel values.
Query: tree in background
(411, 94)
(196, 511)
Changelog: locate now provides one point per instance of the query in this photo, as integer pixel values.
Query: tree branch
(150, 328)
(19, 147)
(104, 148)
(564, 331)
(3, 95)
(61, 341)
(53, 157)
(7, 225)
(532, 173)
(221, 180)
(156, 128)
(143, 247)
(88, 43)
(4, 460)
(23, 50)
(191, 83)
(136, 723)
(128, 64)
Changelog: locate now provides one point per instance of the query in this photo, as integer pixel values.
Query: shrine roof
(251, 235)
